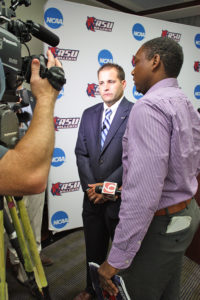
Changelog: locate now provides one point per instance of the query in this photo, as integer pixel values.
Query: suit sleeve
(116, 176)
(82, 157)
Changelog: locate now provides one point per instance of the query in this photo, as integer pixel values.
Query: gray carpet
(66, 277)
(190, 281)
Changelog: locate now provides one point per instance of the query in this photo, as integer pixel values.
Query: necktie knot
(108, 113)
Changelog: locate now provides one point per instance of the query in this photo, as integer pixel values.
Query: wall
(81, 72)
(89, 37)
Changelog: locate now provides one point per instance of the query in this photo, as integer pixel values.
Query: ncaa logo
(59, 219)
(61, 94)
(197, 92)
(58, 157)
(138, 32)
(136, 95)
(53, 18)
(197, 40)
(105, 57)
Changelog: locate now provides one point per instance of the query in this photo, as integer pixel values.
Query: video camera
(15, 69)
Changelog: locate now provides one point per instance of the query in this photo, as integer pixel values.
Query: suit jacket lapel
(96, 125)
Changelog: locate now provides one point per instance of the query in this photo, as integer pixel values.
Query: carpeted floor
(190, 287)
(66, 277)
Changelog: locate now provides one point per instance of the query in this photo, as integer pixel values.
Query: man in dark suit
(99, 158)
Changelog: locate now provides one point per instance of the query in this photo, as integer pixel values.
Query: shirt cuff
(120, 259)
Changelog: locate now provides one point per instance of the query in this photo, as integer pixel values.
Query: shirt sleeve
(145, 163)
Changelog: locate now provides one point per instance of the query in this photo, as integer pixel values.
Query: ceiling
(185, 12)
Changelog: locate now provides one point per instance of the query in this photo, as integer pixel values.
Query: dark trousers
(99, 228)
(156, 269)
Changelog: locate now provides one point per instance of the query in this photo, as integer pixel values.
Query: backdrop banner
(90, 37)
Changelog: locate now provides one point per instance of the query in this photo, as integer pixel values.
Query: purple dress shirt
(161, 159)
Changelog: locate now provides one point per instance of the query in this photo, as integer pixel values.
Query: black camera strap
(56, 77)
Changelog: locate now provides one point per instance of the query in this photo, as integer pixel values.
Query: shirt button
(127, 261)
(139, 242)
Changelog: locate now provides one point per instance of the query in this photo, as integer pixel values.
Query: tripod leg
(25, 257)
(3, 284)
(33, 247)
(12, 235)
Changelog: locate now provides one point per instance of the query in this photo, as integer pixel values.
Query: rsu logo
(94, 24)
(58, 188)
(53, 18)
(105, 56)
(92, 90)
(58, 157)
(60, 219)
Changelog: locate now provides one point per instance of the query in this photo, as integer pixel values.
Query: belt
(173, 209)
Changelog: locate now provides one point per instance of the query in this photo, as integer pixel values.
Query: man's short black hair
(120, 71)
(171, 54)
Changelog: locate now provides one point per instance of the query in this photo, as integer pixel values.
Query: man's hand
(93, 196)
(41, 88)
(106, 272)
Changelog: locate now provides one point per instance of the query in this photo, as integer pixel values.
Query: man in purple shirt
(161, 160)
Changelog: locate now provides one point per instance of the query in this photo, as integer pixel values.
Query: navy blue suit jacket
(93, 164)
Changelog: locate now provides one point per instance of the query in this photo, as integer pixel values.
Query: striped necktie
(106, 126)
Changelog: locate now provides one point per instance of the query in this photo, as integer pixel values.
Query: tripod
(23, 241)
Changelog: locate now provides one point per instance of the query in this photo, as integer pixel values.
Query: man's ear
(124, 83)
(156, 61)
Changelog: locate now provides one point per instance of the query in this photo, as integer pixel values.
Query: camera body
(10, 54)
(10, 51)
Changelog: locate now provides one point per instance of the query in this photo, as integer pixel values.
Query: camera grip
(56, 77)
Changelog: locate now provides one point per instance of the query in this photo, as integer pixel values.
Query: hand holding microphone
(102, 192)
(109, 190)
(92, 195)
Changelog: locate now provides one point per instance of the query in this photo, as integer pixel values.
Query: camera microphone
(42, 33)
(109, 189)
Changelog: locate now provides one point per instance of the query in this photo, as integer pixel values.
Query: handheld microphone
(109, 189)
(43, 34)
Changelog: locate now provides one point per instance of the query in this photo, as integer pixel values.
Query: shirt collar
(167, 82)
(114, 107)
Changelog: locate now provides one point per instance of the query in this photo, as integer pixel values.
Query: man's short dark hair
(120, 71)
(171, 54)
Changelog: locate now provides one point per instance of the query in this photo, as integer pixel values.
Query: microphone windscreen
(43, 34)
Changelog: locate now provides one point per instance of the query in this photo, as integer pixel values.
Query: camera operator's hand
(24, 170)
(41, 87)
